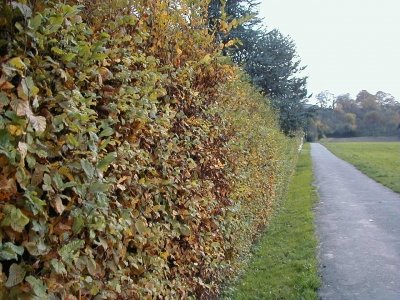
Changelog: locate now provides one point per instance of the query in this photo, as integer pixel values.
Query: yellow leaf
(14, 130)
(164, 255)
(65, 171)
(17, 63)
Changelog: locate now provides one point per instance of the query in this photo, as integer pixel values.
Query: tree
(326, 99)
(271, 60)
(366, 115)
(274, 66)
(246, 29)
(366, 100)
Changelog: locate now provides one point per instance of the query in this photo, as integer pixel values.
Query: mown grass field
(378, 160)
(284, 265)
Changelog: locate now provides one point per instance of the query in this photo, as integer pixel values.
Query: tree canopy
(270, 59)
(366, 115)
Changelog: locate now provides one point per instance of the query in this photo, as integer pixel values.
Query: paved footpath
(358, 225)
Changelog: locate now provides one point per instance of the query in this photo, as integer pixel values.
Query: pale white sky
(348, 45)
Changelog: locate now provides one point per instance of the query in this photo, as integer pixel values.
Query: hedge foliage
(135, 161)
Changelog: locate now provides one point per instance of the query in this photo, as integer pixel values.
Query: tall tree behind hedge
(269, 57)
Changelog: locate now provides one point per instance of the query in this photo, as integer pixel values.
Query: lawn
(284, 265)
(378, 160)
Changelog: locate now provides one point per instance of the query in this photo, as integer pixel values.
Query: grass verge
(284, 265)
(378, 160)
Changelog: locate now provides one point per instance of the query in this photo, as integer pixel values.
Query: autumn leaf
(16, 275)
(38, 123)
(14, 218)
(17, 63)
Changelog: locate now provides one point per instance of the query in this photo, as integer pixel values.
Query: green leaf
(58, 182)
(37, 247)
(88, 168)
(34, 203)
(58, 266)
(106, 132)
(35, 22)
(106, 161)
(78, 224)
(9, 251)
(70, 251)
(140, 226)
(14, 218)
(99, 187)
(29, 87)
(38, 287)
(99, 56)
(56, 20)
(68, 57)
(205, 60)
(16, 275)
(71, 140)
(57, 51)
(185, 230)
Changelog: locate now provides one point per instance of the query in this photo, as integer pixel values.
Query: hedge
(136, 163)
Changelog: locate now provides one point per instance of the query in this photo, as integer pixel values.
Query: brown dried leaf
(8, 188)
(58, 205)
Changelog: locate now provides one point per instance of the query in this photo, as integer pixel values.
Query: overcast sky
(348, 45)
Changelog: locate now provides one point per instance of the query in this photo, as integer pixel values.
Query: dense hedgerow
(135, 164)
(264, 162)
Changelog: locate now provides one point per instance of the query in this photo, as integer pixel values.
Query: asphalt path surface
(358, 226)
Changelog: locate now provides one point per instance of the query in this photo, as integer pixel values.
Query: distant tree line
(366, 115)
(269, 58)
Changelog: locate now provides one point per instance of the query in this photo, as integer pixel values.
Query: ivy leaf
(14, 217)
(70, 251)
(106, 161)
(16, 275)
(38, 287)
(9, 251)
